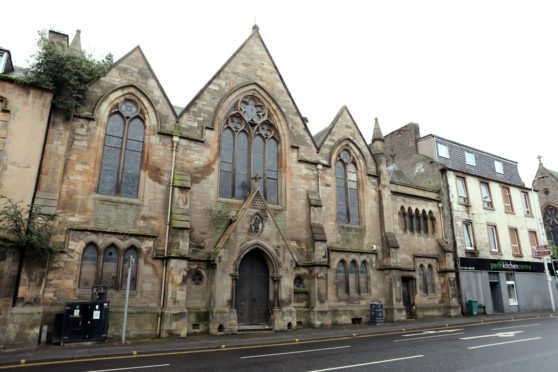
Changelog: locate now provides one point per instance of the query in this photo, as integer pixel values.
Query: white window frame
(493, 239)
(486, 197)
(461, 185)
(443, 150)
(526, 203)
(468, 232)
(499, 166)
(510, 284)
(470, 158)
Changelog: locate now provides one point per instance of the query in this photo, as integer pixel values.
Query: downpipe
(175, 140)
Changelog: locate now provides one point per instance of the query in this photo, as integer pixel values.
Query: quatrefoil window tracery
(252, 108)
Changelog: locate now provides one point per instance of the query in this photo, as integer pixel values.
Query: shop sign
(481, 264)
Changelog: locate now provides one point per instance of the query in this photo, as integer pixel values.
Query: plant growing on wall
(67, 74)
(554, 249)
(27, 229)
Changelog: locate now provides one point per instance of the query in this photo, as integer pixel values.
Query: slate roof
(484, 167)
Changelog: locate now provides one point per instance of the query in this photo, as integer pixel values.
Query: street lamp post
(130, 263)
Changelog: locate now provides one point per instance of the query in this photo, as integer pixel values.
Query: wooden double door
(252, 290)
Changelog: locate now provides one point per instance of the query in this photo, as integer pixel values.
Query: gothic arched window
(347, 189)
(424, 222)
(401, 217)
(342, 282)
(423, 286)
(110, 267)
(249, 152)
(122, 151)
(430, 280)
(130, 257)
(363, 278)
(88, 269)
(353, 278)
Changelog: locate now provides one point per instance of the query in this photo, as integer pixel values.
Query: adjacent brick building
(491, 220)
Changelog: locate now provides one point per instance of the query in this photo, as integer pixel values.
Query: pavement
(114, 347)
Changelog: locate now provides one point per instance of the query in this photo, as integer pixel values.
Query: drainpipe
(175, 140)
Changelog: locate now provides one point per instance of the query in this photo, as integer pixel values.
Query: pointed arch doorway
(252, 290)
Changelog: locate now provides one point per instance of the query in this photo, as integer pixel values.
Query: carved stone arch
(357, 154)
(251, 296)
(93, 239)
(270, 257)
(132, 242)
(106, 102)
(112, 241)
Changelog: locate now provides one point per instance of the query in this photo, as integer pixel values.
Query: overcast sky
(483, 73)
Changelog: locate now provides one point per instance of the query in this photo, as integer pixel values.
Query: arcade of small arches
(418, 222)
(107, 266)
(352, 279)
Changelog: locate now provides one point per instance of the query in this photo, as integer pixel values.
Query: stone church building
(234, 214)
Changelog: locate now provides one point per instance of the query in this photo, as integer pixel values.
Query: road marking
(503, 343)
(367, 364)
(244, 347)
(519, 326)
(425, 333)
(499, 334)
(127, 368)
(294, 352)
(433, 336)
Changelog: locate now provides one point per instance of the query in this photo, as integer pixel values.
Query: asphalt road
(526, 345)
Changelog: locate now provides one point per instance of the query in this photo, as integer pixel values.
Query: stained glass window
(88, 270)
(363, 278)
(110, 266)
(122, 152)
(130, 258)
(342, 285)
(249, 155)
(346, 181)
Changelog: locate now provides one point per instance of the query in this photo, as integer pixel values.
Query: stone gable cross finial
(257, 178)
(539, 157)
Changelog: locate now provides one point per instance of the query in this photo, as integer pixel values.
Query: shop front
(505, 286)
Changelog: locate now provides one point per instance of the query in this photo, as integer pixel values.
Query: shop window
(512, 293)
